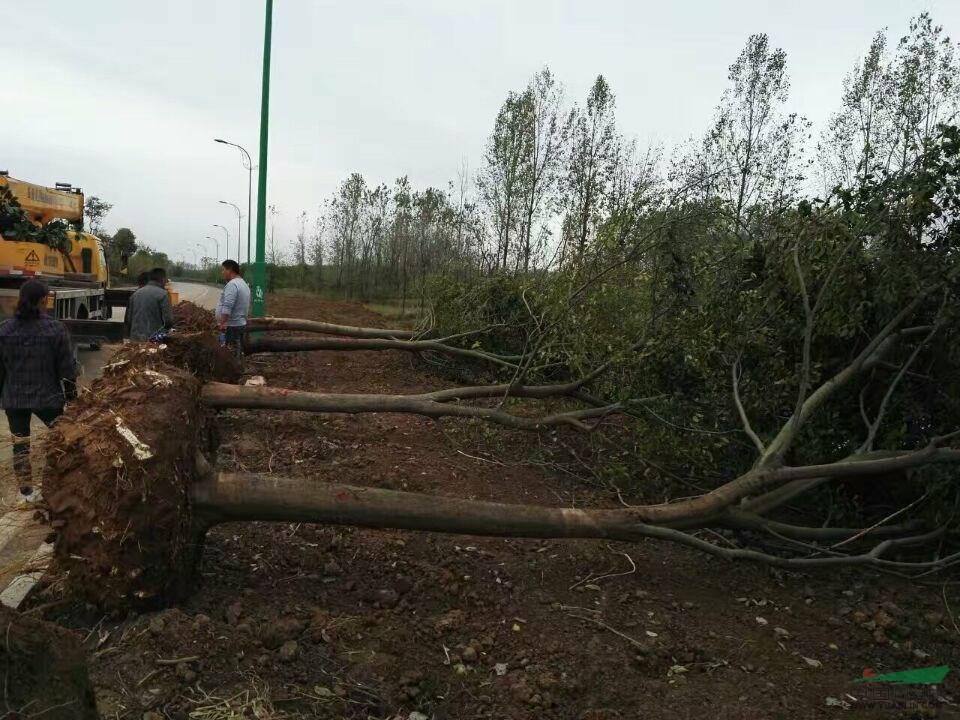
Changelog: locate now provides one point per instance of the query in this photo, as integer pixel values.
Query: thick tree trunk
(316, 326)
(228, 497)
(248, 497)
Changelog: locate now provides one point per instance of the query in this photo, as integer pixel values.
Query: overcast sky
(124, 98)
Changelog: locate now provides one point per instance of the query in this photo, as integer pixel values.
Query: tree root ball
(203, 356)
(44, 671)
(119, 466)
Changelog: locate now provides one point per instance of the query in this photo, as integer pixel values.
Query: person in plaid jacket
(38, 373)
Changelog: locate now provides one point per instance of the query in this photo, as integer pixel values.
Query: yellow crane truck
(75, 268)
(77, 275)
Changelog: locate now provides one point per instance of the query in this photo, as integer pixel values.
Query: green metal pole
(259, 267)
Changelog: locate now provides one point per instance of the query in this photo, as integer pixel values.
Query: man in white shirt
(234, 306)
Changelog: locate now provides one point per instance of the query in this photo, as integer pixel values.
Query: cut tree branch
(270, 324)
(435, 405)
(297, 344)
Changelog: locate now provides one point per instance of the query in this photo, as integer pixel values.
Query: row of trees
(776, 297)
(557, 182)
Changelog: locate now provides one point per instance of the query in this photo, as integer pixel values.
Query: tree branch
(296, 344)
(434, 405)
(270, 324)
(747, 428)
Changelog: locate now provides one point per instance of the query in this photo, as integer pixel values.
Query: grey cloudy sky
(123, 98)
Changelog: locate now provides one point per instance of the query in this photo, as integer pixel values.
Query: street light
(239, 215)
(227, 233)
(208, 237)
(248, 164)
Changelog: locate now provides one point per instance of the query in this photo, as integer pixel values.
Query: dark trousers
(234, 340)
(19, 422)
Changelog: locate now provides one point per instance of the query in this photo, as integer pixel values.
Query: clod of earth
(43, 670)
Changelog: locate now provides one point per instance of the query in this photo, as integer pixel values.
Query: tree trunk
(249, 497)
(229, 497)
(434, 405)
(275, 344)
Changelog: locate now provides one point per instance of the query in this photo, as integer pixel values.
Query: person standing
(234, 306)
(38, 373)
(149, 310)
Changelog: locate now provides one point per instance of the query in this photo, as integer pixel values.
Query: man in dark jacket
(38, 373)
(149, 310)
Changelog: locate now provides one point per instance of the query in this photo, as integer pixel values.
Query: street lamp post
(239, 215)
(259, 268)
(227, 233)
(209, 237)
(248, 164)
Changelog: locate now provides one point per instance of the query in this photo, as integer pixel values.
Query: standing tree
(891, 107)
(275, 256)
(96, 211)
(316, 250)
(500, 180)
(538, 175)
(749, 154)
(300, 248)
(123, 245)
(591, 160)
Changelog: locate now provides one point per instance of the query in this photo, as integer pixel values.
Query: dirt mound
(120, 463)
(199, 353)
(202, 355)
(190, 317)
(44, 671)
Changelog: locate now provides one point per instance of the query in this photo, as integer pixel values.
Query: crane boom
(42, 204)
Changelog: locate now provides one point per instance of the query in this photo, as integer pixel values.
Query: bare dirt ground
(324, 622)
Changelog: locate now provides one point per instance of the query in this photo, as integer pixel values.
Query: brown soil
(323, 622)
(116, 479)
(192, 318)
(43, 671)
